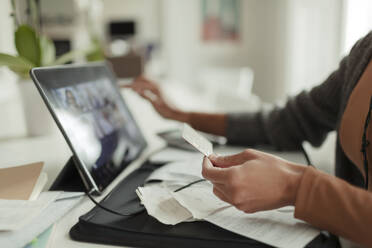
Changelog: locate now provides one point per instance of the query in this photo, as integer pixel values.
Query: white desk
(54, 152)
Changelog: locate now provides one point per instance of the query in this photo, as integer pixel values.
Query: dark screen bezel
(82, 75)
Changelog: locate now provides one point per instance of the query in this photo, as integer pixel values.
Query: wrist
(181, 116)
(294, 180)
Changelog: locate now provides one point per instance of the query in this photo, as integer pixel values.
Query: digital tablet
(88, 108)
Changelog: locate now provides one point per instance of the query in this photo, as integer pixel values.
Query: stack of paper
(276, 227)
(200, 200)
(15, 214)
(25, 212)
(171, 203)
(44, 240)
(61, 204)
(170, 154)
(181, 171)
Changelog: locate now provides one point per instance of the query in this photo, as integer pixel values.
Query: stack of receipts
(170, 202)
(197, 202)
(21, 221)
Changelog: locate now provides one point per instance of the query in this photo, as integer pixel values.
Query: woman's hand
(150, 91)
(253, 181)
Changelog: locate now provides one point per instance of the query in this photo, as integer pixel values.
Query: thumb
(232, 160)
(211, 173)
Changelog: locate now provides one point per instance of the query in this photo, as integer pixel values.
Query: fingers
(143, 79)
(148, 95)
(220, 194)
(231, 160)
(141, 84)
(225, 185)
(213, 174)
(134, 83)
(146, 92)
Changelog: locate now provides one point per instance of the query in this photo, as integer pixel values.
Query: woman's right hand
(151, 92)
(253, 181)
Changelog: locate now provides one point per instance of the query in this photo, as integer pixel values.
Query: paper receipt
(197, 140)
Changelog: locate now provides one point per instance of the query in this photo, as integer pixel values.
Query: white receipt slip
(197, 140)
(199, 200)
(160, 204)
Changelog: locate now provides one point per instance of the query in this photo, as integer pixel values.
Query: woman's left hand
(253, 181)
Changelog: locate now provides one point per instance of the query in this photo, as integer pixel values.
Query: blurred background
(229, 55)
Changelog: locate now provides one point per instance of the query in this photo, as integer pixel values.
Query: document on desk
(170, 154)
(19, 238)
(14, 214)
(160, 204)
(181, 171)
(274, 227)
(200, 200)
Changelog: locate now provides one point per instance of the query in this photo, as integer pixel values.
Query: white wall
(289, 44)
(313, 42)
(261, 45)
(11, 111)
(6, 46)
(357, 21)
(6, 27)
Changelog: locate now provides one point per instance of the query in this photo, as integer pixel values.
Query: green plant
(35, 49)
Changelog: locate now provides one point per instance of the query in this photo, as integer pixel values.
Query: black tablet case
(142, 230)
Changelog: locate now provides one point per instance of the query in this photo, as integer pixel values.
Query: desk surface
(54, 151)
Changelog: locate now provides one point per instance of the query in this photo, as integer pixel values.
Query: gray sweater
(309, 116)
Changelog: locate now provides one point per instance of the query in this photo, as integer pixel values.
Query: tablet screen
(94, 119)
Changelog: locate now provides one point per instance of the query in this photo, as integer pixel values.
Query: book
(23, 182)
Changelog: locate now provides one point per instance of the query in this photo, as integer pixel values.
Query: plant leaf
(70, 56)
(48, 51)
(15, 61)
(20, 72)
(97, 52)
(27, 44)
(19, 65)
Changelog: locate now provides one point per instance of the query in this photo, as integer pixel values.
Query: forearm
(333, 205)
(205, 122)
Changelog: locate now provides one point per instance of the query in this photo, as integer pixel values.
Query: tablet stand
(68, 179)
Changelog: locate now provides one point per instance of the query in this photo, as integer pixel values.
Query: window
(357, 21)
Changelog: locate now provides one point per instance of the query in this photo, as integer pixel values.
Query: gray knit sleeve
(308, 116)
(246, 129)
